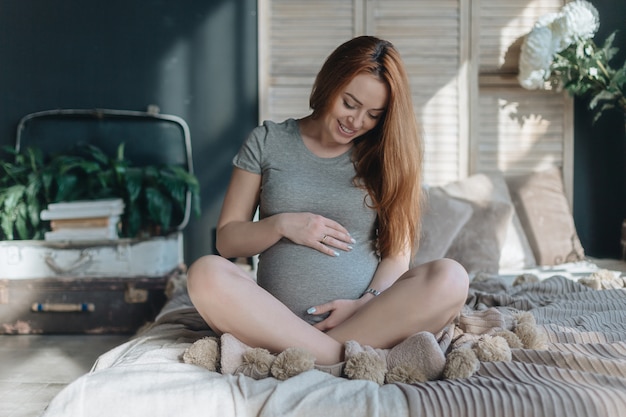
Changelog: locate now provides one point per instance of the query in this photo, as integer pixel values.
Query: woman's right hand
(315, 231)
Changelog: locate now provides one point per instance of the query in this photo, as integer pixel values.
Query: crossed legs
(425, 298)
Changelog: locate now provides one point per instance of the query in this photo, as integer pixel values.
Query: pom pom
(366, 365)
(406, 375)
(204, 352)
(256, 363)
(482, 276)
(531, 336)
(292, 362)
(525, 317)
(511, 338)
(602, 279)
(461, 363)
(525, 279)
(492, 349)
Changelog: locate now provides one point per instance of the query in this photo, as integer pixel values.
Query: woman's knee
(452, 277)
(204, 275)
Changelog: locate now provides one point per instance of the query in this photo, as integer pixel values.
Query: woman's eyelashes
(353, 107)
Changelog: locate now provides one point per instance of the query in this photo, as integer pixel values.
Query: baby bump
(302, 277)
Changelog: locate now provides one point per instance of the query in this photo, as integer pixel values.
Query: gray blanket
(581, 373)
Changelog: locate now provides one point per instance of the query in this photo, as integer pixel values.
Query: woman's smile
(345, 130)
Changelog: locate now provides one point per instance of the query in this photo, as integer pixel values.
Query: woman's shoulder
(279, 133)
(286, 127)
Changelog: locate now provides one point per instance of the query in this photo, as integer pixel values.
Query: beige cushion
(544, 212)
(478, 244)
(516, 251)
(442, 218)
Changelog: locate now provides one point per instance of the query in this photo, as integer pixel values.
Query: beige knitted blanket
(581, 373)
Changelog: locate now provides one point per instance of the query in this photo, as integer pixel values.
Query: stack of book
(84, 220)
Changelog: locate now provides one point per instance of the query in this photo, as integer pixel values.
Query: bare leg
(425, 298)
(231, 302)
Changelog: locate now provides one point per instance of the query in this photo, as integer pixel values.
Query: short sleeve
(250, 154)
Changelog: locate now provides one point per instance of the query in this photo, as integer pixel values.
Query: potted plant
(154, 196)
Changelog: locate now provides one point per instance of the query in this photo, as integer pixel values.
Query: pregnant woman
(338, 194)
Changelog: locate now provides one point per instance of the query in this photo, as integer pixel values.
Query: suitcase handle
(84, 259)
(63, 307)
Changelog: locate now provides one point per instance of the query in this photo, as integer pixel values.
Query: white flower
(535, 58)
(552, 33)
(547, 19)
(577, 20)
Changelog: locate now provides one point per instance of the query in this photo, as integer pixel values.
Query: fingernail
(352, 240)
(336, 253)
(350, 247)
(311, 310)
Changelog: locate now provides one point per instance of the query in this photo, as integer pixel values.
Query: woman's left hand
(340, 310)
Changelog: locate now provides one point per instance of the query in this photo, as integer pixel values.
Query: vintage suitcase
(112, 286)
(80, 305)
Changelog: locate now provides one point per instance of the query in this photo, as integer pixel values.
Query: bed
(578, 304)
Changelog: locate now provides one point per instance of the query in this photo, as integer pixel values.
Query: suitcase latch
(134, 295)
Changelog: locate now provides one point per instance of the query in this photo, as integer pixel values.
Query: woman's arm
(387, 273)
(239, 236)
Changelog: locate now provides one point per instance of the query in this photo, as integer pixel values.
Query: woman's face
(357, 109)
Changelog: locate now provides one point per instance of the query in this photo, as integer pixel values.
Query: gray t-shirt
(296, 180)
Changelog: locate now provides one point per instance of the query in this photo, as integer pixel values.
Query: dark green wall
(196, 59)
(600, 156)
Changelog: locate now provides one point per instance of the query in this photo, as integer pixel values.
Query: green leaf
(134, 180)
(34, 211)
(65, 187)
(603, 95)
(35, 157)
(32, 200)
(196, 205)
(600, 111)
(87, 167)
(21, 224)
(10, 150)
(97, 154)
(13, 196)
(120, 152)
(133, 219)
(47, 179)
(6, 223)
(159, 207)
(174, 186)
(608, 48)
(151, 173)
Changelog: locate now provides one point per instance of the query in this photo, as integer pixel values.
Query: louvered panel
(520, 130)
(502, 27)
(295, 38)
(427, 34)
(288, 101)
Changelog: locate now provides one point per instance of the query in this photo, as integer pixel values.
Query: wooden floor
(33, 369)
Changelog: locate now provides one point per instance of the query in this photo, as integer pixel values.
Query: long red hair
(388, 159)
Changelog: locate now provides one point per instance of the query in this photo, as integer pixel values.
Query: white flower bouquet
(559, 52)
